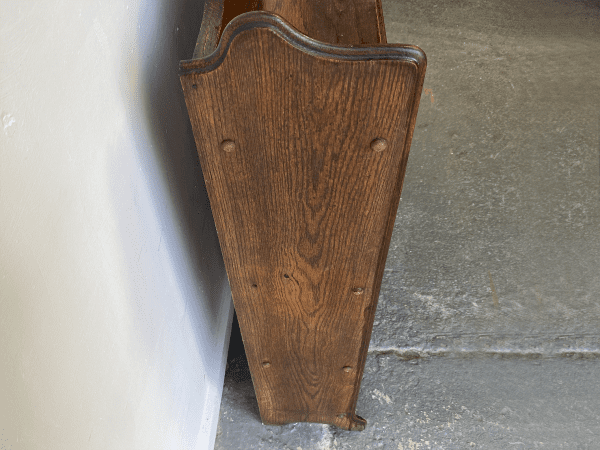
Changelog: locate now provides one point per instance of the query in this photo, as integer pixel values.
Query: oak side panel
(304, 208)
(210, 28)
(348, 22)
(343, 22)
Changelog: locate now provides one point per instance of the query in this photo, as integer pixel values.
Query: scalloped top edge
(275, 23)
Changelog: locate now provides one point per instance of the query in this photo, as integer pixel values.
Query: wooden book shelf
(303, 117)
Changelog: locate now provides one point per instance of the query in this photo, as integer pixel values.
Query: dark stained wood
(342, 22)
(303, 147)
(349, 22)
(210, 28)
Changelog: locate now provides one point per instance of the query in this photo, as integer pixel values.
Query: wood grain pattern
(350, 22)
(344, 22)
(303, 147)
(210, 29)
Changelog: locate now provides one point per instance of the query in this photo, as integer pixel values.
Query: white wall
(114, 303)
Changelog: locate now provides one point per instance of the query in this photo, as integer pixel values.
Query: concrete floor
(438, 403)
(486, 333)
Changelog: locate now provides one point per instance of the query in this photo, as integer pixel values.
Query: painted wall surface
(114, 302)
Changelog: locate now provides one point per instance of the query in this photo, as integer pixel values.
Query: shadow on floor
(237, 374)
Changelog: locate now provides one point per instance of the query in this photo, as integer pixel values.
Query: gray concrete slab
(497, 240)
(439, 403)
(492, 279)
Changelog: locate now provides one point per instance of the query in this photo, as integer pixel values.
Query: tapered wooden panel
(303, 148)
(346, 22)
(351, 22)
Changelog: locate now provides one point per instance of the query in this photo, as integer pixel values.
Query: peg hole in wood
(347, 369)
(285, 275)
(357, 291)
(228, 145)
(379, 144)
(266, 364)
